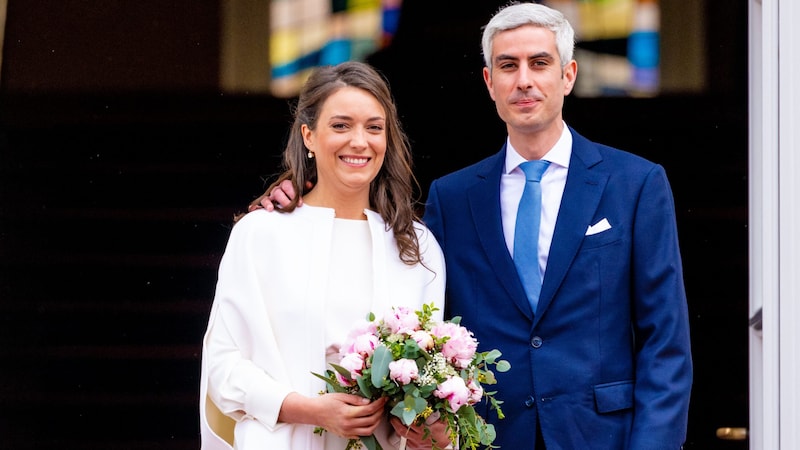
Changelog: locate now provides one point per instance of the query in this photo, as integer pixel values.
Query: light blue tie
(526, 235)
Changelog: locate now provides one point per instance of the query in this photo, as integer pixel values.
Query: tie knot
(534, 169)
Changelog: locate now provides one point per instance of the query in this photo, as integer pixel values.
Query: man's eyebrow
(545, 55)
(539, 55)
(504, 57)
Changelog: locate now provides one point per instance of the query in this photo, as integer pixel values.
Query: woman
(355, 247)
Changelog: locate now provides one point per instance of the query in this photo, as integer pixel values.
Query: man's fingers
(268, 205)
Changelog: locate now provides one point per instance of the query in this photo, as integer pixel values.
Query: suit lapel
(582, 193)
(484, 203)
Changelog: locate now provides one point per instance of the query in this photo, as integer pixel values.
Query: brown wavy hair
(392, 191)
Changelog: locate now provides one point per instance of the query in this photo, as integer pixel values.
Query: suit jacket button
(536, 342)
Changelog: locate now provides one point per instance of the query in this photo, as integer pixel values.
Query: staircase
(114, 213)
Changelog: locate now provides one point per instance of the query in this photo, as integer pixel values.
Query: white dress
(287, 294)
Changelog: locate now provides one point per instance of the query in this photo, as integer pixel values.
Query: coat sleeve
(433, 257)
(238, 386)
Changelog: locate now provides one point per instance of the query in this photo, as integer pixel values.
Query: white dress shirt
(512, 183)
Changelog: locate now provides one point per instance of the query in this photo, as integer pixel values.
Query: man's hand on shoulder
(280, 196)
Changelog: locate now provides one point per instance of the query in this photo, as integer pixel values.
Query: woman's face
(349, 143)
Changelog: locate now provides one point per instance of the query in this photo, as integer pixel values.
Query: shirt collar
(558, 155)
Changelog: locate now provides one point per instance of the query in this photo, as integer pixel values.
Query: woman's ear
(308, 137)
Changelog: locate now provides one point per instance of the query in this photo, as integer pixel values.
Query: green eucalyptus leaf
(411, 349)
(405, 414)
(419, 404)
(371, 443)
(488, 377)
(365, 387)
(331, 382)
(488, 434)
(492, 356)
(503, 366)
(380, 366)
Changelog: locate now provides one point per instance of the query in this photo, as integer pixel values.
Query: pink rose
(423, 338)
(403, 371)
(354, 363)
(455, 391)
(401, 320)
(475, 392)
(365, 344)
(460, 347)
(355, 341)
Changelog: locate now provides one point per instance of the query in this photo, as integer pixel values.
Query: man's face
(527, 82)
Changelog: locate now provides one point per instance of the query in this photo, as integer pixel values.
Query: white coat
(266, 328)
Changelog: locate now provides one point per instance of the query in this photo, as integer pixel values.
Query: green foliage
(414, 402)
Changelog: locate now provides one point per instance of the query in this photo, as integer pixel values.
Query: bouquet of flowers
(424, 367)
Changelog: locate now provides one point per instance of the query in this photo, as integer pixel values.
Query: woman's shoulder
(262, 217)
(263, 222)
(255, 219)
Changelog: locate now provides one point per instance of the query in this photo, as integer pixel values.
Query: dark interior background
(122, 165)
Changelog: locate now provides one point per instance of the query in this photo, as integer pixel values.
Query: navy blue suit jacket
(606, 362)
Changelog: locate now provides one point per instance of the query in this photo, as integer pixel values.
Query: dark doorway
(115, 203)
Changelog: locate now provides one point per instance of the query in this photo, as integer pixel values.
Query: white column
(763, 224)
(774, 208)
(789, 205)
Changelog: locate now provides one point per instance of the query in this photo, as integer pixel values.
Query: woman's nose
(358, 138)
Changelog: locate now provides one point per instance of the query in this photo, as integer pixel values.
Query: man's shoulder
(475, 170)
(616, 158)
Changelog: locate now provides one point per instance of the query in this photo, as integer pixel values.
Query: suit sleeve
(433, 217)
(661, 321)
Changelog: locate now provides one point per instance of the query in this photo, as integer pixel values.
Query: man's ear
(570, 74)
(487, 79)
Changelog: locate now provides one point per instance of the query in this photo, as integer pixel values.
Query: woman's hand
(346, 415)
(350, 416)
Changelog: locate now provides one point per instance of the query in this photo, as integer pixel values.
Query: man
(603, 360)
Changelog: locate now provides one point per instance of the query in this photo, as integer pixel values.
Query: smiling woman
(355, 246)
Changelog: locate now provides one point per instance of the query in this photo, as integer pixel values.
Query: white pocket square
(599, 227)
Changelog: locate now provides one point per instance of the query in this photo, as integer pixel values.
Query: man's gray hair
(516, 14)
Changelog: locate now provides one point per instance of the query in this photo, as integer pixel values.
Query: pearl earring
(310, 154)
